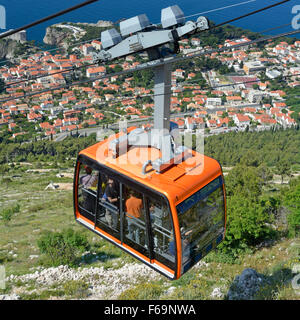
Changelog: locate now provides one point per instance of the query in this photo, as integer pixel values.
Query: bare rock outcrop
(55, 36)
(246, 285)
(7, 48)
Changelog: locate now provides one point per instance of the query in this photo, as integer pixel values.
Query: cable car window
(201, 220)
(87, 190)
(162, 232)
(135, 230)
(108, 210)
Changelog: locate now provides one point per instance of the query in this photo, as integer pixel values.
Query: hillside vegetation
(48, 256)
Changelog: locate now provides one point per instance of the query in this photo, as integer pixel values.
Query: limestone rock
(246, 285)
(55, 36)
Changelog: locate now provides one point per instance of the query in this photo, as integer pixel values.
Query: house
(90, 122)
(223, 122)
(70, 121)
(195, 42)
(58, 124)
(213, 102)
(71, 127)
(234, 100)
(191, 75)
(255, 96)
(45, 126)
(96, 72)
(241, 120)
(211, 123)
(267, 121)
(190, 123)
(199, 123)
(87, 49)
(12, 126)
(262, 86)
(179, 73)
(50, 132)
(34, 117)
(180, 123)
(97, 45)
(243, 40)
(55, 110)
(46, 104)
(279, 105)
(58, 79)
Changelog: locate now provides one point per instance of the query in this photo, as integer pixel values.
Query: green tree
(248, 223)
(244, 181)
(292, 202)
(62, 247)
(283, 168)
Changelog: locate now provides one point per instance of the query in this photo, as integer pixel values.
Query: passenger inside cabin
(89, 180)
(89, 183)
(111, 195)
(134, 206)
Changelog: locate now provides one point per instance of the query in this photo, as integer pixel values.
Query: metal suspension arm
(143, 41)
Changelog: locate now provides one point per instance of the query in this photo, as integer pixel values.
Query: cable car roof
(177, 183)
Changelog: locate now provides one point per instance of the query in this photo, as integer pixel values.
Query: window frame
(204, 249)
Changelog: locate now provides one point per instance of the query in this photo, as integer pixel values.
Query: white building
(272, 74)
(241, 120)
(213, 102)
(256, 96)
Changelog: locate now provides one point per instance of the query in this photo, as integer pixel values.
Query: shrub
(248, 223)
(197, 289)
(4, 257)
(144, 291)
(8, 213)
(76, 288)
(62, 248)
(292, 202)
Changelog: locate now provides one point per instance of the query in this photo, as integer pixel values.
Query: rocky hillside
(7, 48)
(56, 36)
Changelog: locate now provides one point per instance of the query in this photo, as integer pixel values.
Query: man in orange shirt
(134, 208)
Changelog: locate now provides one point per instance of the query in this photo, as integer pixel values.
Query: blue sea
(21, 12)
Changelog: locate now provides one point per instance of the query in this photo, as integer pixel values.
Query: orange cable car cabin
(169, 221)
